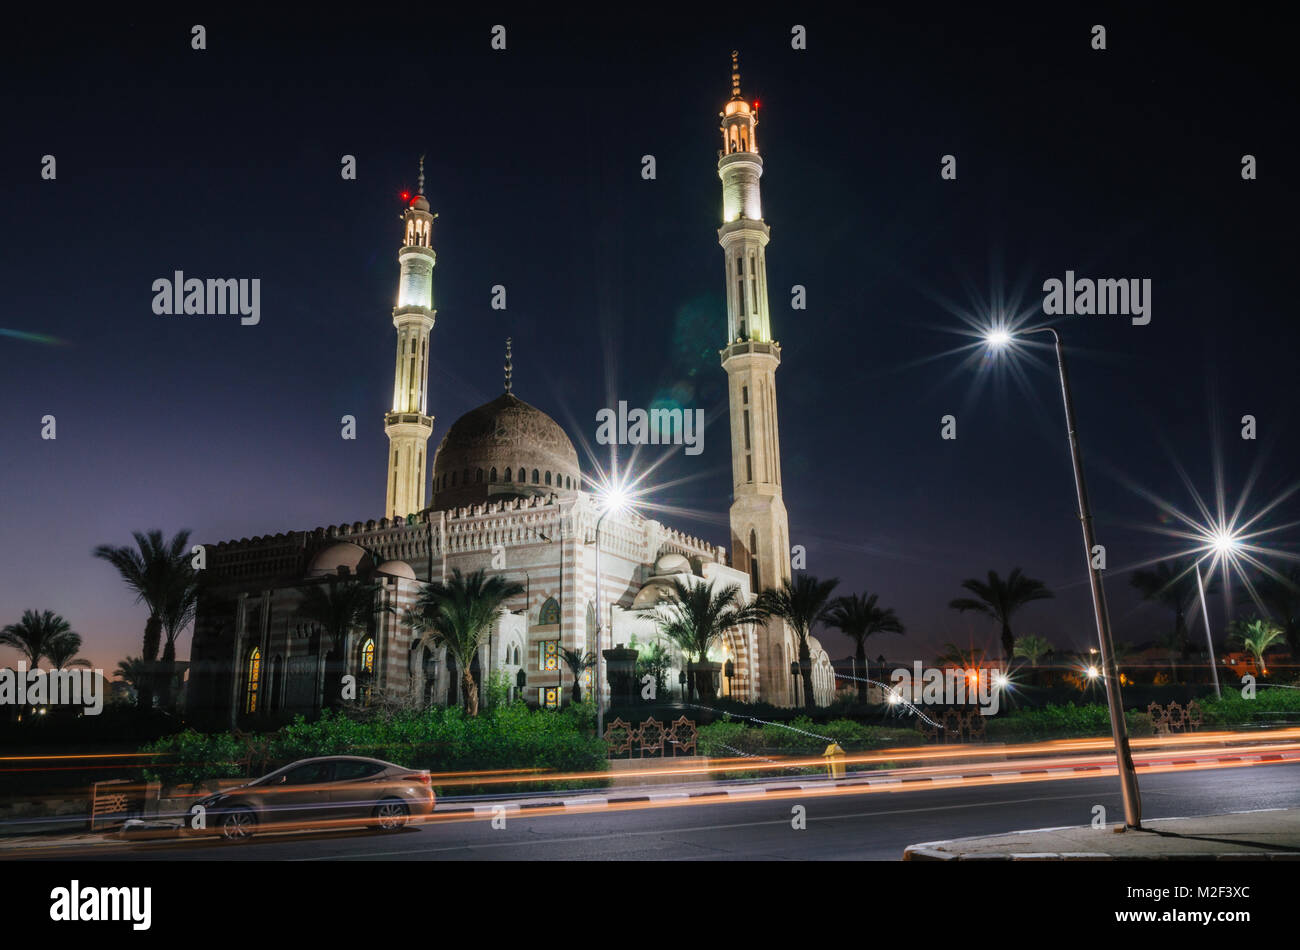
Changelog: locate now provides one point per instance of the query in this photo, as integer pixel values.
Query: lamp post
(1123, 754)
(1224, 544)
(614, 500)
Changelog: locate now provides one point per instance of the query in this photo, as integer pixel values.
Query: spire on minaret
(419, 185)
(509, 370)
(735, 74)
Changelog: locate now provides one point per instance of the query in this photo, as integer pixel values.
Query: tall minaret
(409, 424)
(760, 529)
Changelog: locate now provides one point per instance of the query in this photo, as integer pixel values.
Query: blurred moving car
(337, 791)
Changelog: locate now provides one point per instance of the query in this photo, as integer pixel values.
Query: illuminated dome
(343, 557)
(396, 569)
(504, 448)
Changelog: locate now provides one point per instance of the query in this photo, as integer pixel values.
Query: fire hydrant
(834, 757)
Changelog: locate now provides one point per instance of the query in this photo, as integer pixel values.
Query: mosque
(506, 493)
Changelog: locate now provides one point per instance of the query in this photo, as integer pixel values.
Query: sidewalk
(1269, 835)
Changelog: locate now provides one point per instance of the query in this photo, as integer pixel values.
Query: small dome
(396, 569)
(341, 558)
(420, 203)
(673, 563)
(504, 436)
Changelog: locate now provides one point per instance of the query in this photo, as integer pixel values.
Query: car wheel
(390, 814)
(238, 825)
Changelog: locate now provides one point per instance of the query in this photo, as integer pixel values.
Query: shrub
(440, 740)
(189, 757)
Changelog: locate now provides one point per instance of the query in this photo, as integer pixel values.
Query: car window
(309, 774)
(352, 771)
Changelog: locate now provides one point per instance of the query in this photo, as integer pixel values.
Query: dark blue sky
(225, 163)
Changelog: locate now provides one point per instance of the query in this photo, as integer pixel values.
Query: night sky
(225, 163)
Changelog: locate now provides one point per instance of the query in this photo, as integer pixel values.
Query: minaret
(409, 424)
(760, 529)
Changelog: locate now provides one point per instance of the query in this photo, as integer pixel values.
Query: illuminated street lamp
(614, 498)
(1000, 337)
(1224, 543)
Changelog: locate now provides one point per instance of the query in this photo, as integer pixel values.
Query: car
(336, 791)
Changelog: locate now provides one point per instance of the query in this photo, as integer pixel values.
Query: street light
(1224, 543)
(997, 338)
(613, 499)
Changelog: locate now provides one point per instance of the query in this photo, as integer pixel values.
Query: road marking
(551, 842)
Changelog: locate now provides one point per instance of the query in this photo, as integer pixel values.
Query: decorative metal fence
(1175, 718)
(114, 801)
(952, 725)
(651, 738)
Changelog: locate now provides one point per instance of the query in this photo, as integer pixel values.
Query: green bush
(1060, 722)
(189, 757)
(1271, 704)
(440, 740)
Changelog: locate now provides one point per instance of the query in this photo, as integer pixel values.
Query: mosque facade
(505, 492)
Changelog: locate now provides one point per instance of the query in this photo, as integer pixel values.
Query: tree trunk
(149, 660)
(805, 667)
(862, 670)
(1180, 632)
(166, 674)
(471, 692)
(576, 692)
(1008, 645)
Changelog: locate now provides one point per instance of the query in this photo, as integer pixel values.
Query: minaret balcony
(408, 418)
(744, 224)
(751, 348)
(417, 249)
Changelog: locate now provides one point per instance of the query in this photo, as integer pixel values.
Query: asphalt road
(874, 826)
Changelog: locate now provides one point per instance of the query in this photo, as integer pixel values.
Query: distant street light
(999, 337)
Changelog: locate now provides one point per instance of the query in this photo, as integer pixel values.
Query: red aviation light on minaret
(406, 196)
(755, 105)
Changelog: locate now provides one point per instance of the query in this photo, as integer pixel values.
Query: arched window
(478, 475)
(254, 680)
(536, 476)
(549, 615)
(366, 665)
(548, 478)
(453, 479)
(753, 563)
(492, 475)
(508, 475)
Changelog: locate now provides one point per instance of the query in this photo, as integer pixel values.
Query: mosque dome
(396, 569)
(343, 557)
(504, 448)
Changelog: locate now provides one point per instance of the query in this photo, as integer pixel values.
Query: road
(856, 826)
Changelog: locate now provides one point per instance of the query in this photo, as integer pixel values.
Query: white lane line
(551, 842)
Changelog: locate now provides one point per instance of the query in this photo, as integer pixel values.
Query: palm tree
(1257, 636)
(857, 616)
(457, 614)
(1031, 648)
(338, 607)
(1171, 584)
(695, 615)
(37, 635)
(177, 614)
(1000, 599)
(954, 655)
(150, 570)
(131, 671)
(800, 603)
(577, 663)
(1281, 595)
(62, 653)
